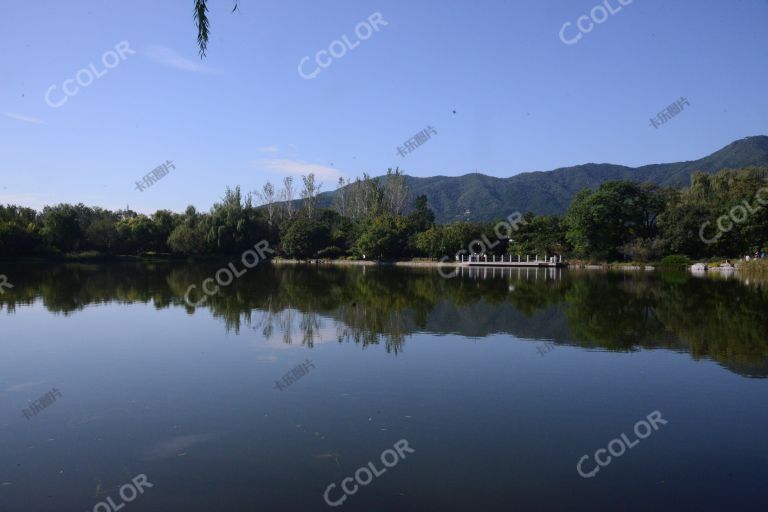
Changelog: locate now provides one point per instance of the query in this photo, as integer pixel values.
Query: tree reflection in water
(716, 318)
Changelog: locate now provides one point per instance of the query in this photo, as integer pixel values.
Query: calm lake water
(500, 384)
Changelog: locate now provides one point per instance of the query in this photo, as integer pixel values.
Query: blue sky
(524, 100)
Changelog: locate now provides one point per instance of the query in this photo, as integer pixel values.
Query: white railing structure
(511, 260)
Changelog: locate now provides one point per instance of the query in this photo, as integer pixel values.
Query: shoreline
(451, 264)
(739, 266)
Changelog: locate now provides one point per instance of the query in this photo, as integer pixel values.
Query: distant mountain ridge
(478, 197)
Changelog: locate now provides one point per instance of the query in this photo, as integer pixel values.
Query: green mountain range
(477, 197)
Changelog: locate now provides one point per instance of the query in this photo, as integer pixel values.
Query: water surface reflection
(724, 320)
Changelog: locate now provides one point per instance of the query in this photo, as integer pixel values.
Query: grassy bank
(754, 268)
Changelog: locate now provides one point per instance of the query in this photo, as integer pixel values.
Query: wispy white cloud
(298, 167)
(25, 386)
(167, 57)
(268, 149)
(26, 119)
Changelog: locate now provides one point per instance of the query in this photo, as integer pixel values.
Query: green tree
(235, 224)
(600, 222)
(343, 230)
(383, 238)
(135, 234)
(19, 234)
(163, 224)
(430, 242)
(305, 238)
(700, 221)
(102, 234)
(60, 227)
(189, 237)
(539, 235)
(422, 217)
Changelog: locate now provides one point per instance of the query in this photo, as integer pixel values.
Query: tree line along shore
(719, 216)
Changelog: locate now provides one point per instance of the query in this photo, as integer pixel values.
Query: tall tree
(341, 197)
(396, 191)
(268, 199)
(309, 194)
(235, 224)
(422, 217)
(287, 195)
